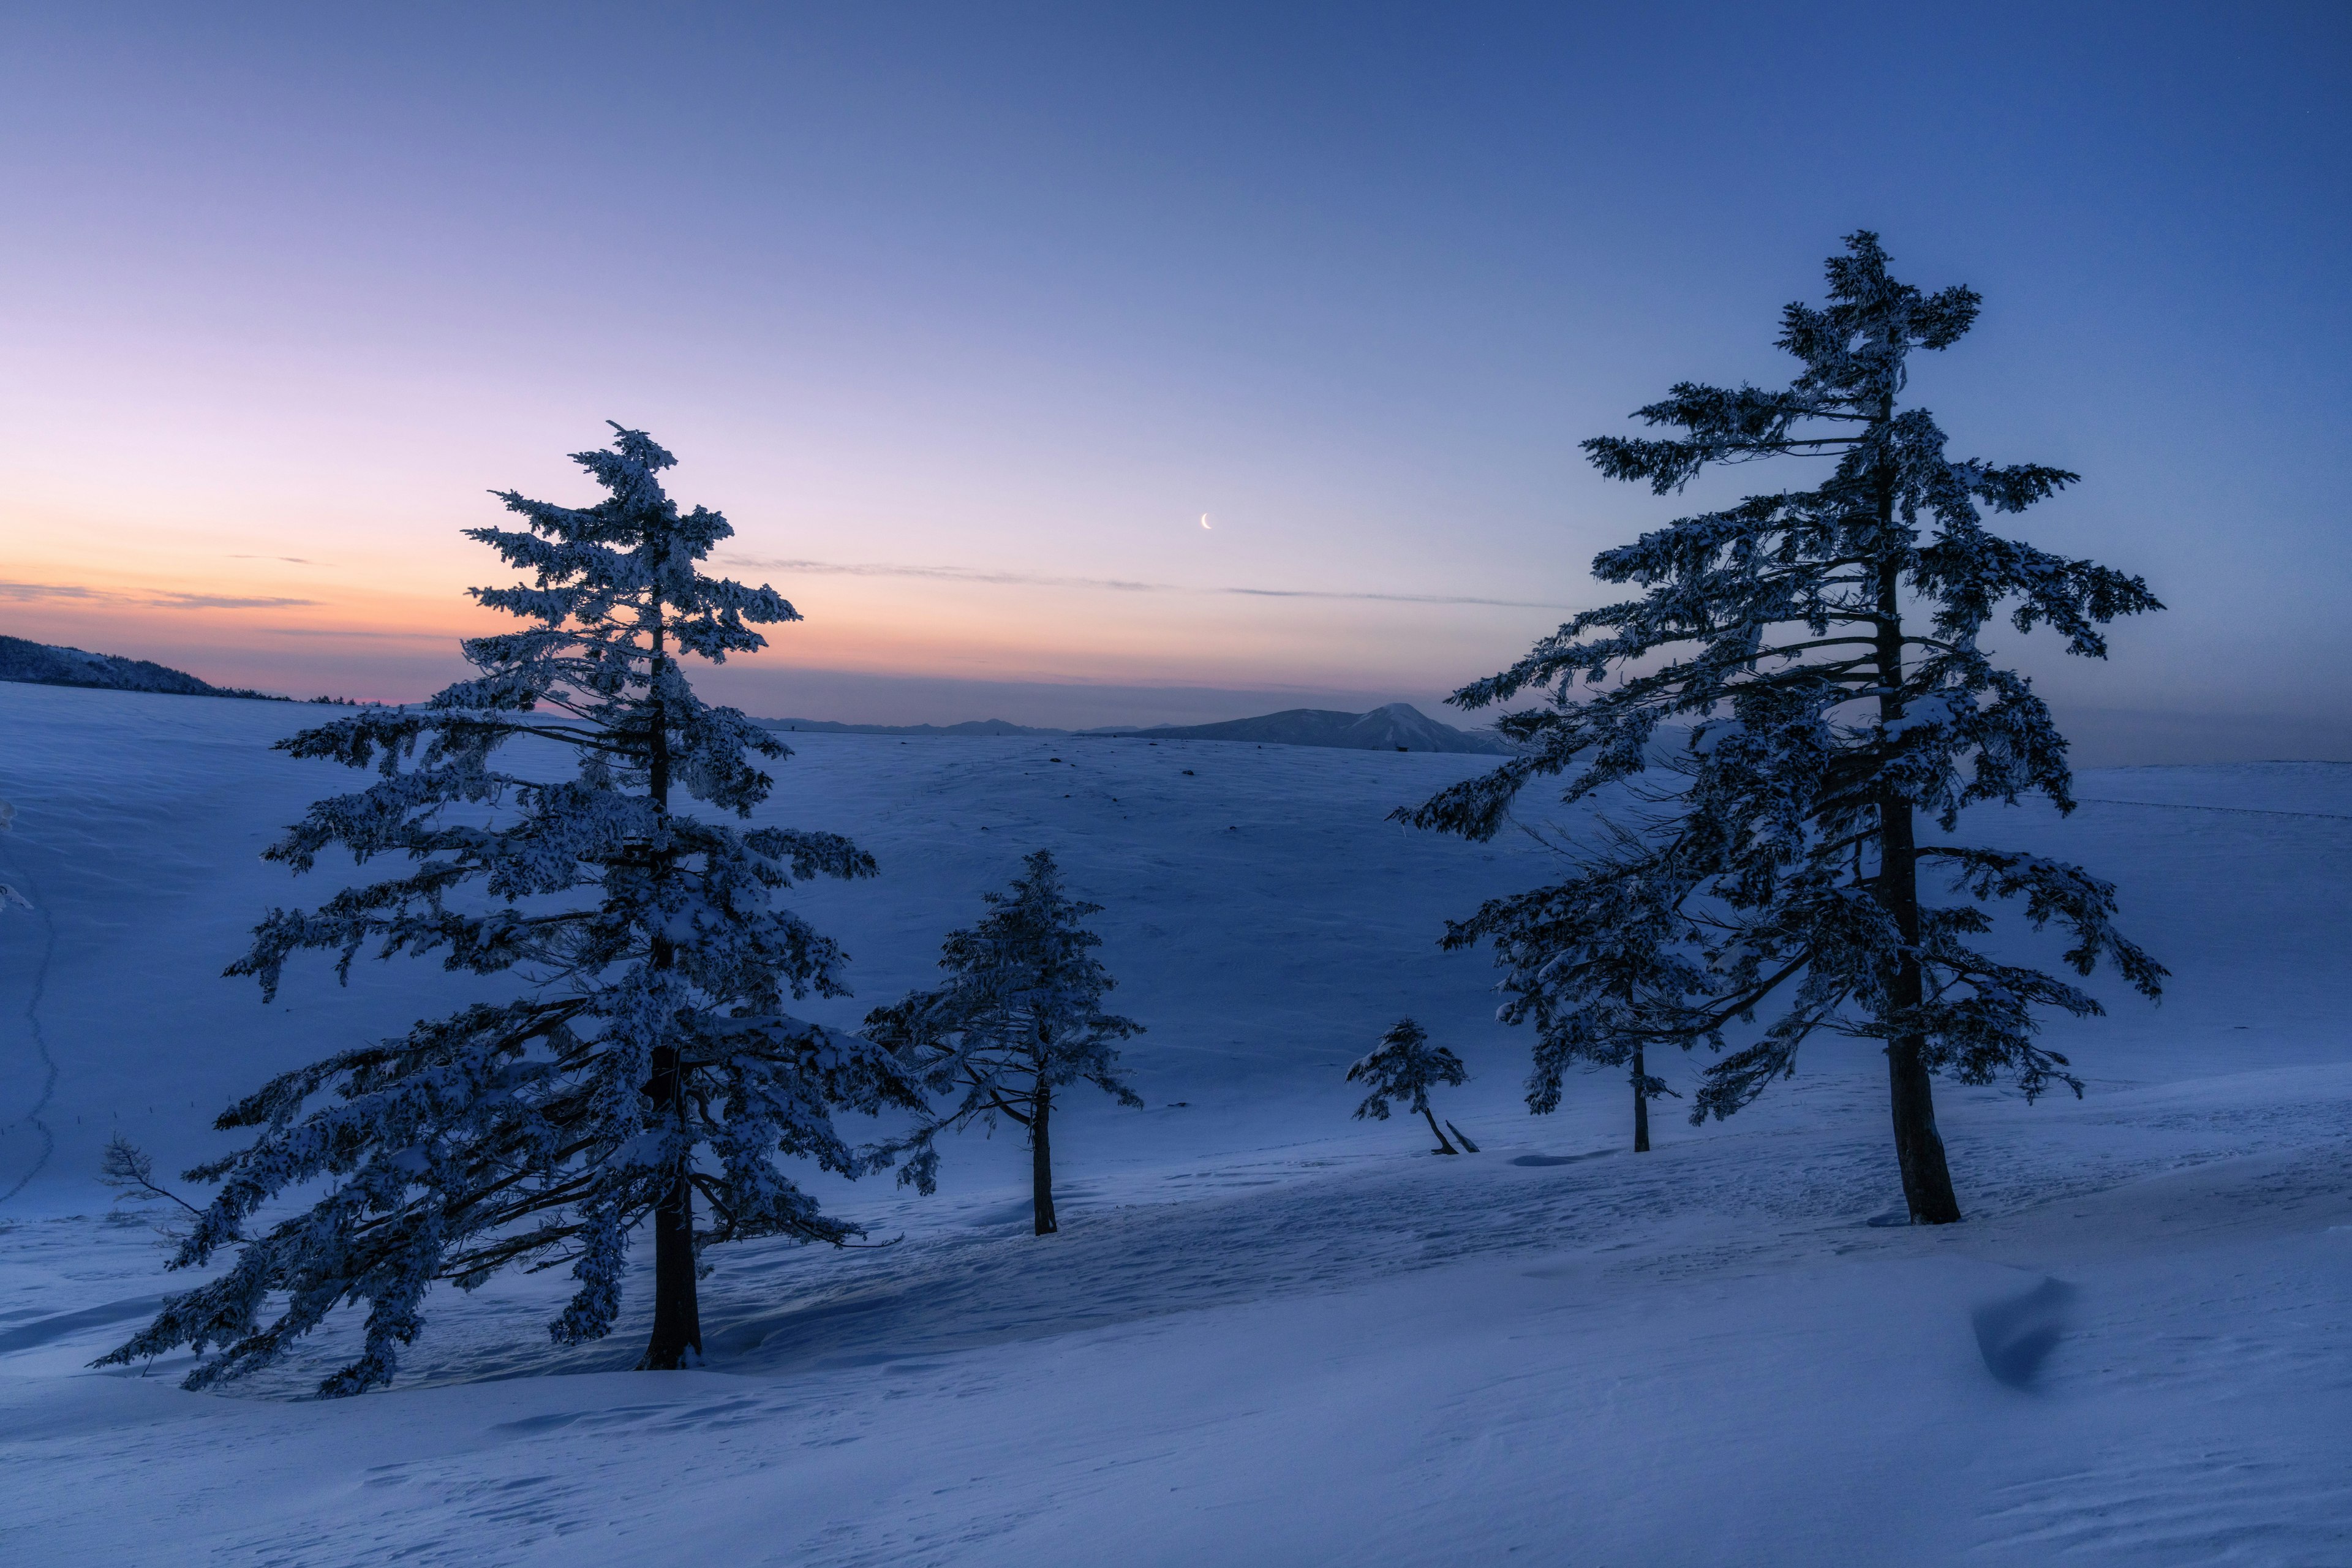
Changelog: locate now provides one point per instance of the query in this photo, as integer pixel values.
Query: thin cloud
(220, 602)
(49, 591)
(1039, 580)
(154, 598)
(946, 575)
(296, 560)
(344, 633)
(1393, 598)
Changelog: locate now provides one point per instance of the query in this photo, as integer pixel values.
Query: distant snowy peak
(40, 664)
(1398, 727)
(1408, 729)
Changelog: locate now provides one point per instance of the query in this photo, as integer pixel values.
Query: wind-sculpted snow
(1333, 1218)
(1225, 1365)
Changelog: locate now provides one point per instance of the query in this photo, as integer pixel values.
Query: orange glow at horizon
(387, 627)
(306, 557)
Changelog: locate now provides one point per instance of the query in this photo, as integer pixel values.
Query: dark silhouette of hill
(1398, 727)
(42, 664)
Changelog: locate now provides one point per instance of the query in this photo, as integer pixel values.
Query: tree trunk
(1640, 1105)
(677, 1318)
(1443, 1146)
(678, 1312)
(1918, 1147)
(1041, 1162)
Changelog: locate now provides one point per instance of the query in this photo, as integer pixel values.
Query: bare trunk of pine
(1041, 1162)
(1918, 1147)
(1640, 1105)
(678, 1312)
(1443, 1146)
(677, 1318)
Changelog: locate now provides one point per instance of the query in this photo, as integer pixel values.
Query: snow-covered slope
(1266, 1333)
(45, 664)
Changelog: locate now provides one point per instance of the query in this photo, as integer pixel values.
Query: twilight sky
(966, 314)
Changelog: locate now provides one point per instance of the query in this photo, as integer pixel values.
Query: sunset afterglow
(972, 330)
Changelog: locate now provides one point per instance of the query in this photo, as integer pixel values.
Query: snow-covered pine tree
(1603, 964)
(1020, 1018)
(1821, 646)
(644, 1058)
(1404, 1066)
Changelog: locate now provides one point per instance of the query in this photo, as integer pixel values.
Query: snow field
(1266, 1333)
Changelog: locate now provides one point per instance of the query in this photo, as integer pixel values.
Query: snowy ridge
(45, 664)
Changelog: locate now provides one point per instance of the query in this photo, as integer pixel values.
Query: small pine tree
(1600, 965)
(1022, 1017)
(130, 1172)
(1406, 1066)
(1821, 648)
(647, 1058)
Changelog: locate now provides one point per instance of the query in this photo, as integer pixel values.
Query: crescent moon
(1205, 521)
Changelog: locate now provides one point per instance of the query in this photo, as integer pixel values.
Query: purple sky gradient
(1000, 301)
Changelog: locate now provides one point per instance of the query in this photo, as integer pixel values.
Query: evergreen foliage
(1406, 1066)
(642, 1058)
(1819, 650)
(1604, 966)
(1020, 1018)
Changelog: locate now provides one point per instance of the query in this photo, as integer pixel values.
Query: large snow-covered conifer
(1817, 651)
(639, 1057)
(1020, 1018)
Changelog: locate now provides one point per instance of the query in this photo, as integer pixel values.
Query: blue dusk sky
(968, 315)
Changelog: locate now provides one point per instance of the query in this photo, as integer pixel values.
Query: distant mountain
(968, 727)
(41, 664)
(1399, 727)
